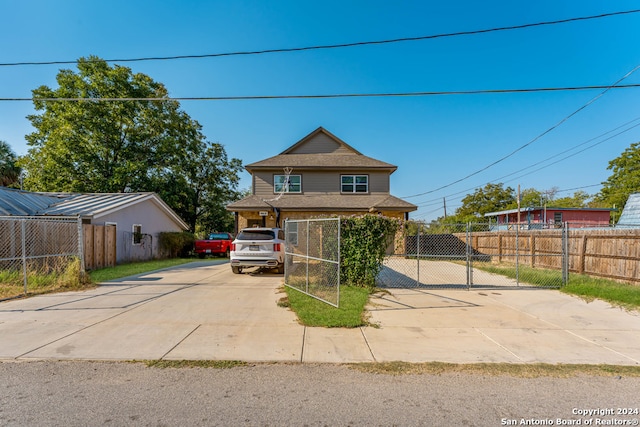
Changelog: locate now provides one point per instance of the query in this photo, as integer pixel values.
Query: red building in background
(540, 217)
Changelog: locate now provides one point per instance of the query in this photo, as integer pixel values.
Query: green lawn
(621, 294)
(11, 283)
(131, 269)
(313, 312)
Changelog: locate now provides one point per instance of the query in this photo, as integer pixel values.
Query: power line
(335, 95)
(437, 201)
(340, 45)
(552, 128)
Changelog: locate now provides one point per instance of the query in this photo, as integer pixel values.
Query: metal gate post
(418, 259)
(517, 255)
(468, 256)
(565, 253)
(23, 227)
(307, 260)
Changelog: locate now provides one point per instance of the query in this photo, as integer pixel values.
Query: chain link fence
(36, 250)
(471, 255)
(312, 258)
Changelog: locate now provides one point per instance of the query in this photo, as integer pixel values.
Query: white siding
(153, 221)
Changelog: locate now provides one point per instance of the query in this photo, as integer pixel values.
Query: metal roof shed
(134, 215)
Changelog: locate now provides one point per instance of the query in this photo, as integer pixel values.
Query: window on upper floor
(287, 184)
(354, 183)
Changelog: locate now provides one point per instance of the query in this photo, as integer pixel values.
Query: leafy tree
(528, 197)
(490, 198)
(578, 200)
(9, 170)
(124, 146)
(624, 179)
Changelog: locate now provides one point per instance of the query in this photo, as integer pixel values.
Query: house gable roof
(321, 150)
(321, 141)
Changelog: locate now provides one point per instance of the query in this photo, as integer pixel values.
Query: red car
(215, 244)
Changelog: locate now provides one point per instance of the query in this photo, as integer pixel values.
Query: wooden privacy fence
(608, 253)
(99, 244)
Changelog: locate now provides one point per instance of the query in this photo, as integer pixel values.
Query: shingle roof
(357, 203)
(324, 161)
(338, 155)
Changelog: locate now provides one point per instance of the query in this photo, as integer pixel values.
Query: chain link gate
(473, 255)
(312, 258)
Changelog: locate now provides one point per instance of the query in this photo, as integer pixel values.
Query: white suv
(258, 247)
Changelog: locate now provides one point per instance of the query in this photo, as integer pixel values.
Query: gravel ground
(50, 393)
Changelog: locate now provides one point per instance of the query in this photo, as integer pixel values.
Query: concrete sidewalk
(203, 311)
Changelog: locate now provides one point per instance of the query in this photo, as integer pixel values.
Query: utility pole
(444, 201)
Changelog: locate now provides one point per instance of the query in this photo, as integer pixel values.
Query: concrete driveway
(201, 310)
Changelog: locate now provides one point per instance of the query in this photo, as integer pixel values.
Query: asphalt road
(76, 393)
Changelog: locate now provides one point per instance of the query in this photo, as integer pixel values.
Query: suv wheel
(236, 270)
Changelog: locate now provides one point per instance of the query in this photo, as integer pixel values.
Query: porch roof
(356, 203)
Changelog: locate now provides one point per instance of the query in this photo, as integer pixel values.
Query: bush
(176, 244)
(363, 244)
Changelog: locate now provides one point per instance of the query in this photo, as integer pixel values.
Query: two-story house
(318, 176)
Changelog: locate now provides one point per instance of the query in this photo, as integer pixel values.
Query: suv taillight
(276, 247)
(233, 246)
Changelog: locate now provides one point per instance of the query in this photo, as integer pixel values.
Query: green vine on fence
(363, 244)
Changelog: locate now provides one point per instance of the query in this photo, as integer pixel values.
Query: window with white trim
(287, 184)
(354, 183)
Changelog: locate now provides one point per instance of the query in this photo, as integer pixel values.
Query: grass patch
(131, 269)
(312, 312)
(59, 276)
(589, 288)
(586, 287)
(68, 278)
(215, 364)
(532, 276)
(535, 370)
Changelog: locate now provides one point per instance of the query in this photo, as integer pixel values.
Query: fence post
(565, 253)
(583, 253)
(468, 256)
(307, 259)
(23, 229)
(517, 254)
(418, 258)
(532, 247)
(81, 246)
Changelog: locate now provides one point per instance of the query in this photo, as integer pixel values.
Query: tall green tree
(9, 170)
(624, 179)
(105, 145)
(579, 199)
(490, 198)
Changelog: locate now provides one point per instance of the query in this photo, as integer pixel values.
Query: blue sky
(435, 141)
